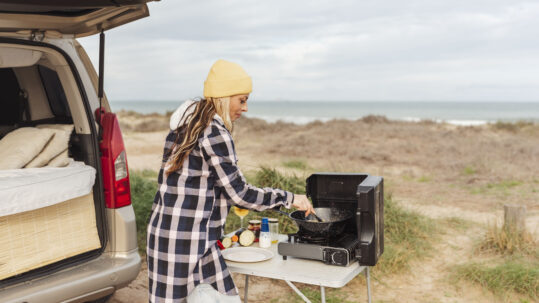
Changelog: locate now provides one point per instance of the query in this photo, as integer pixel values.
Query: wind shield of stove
(360, 194)
(370, 220)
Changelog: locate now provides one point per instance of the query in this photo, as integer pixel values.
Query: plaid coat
(189, 212)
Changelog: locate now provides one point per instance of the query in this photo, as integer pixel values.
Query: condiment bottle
(274, 229)
(254, 226)
(265, 236)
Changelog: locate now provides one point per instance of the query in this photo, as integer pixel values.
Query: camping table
(300, 270)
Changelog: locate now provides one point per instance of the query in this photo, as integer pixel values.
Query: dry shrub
(250, 124)
(151, 125)
(514, 126)
(374, 119)
(507, 240)
(125, 126)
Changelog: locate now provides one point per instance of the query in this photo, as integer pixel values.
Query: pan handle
(281, 212)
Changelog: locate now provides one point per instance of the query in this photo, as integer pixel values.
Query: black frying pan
(332, 224)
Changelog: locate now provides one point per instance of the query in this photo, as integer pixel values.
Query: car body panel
(81, 281)
(20, 16)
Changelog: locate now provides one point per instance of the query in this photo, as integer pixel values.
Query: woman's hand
(302, 203)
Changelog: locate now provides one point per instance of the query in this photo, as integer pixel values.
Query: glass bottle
(265, 236)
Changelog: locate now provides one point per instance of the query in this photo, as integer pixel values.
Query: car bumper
(87, 281)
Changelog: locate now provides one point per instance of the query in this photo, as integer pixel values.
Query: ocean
(301, 112)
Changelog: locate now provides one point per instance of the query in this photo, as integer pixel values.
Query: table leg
(368, 278)
(246, 288)
(323, 294)
(297, 291)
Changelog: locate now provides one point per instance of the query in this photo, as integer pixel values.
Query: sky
(390, 50)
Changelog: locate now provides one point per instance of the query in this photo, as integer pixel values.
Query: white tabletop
(297, 270)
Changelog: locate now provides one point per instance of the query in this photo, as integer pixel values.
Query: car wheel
(102, 300)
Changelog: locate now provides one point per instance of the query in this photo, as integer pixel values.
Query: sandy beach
(436, 169)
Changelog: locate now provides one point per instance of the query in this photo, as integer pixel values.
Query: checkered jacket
(189, 212)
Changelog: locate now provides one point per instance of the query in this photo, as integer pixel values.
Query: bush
(521, 277)
(143, 189)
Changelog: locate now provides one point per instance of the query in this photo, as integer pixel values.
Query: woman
(199, 181)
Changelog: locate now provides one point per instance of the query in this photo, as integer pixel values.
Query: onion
(226, 241)
(247, 238)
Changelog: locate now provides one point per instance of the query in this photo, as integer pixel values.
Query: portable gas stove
(341, 251)
(362, 238)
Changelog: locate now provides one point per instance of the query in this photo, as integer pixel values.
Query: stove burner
(303, 237)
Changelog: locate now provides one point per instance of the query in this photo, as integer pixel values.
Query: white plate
(246, 254)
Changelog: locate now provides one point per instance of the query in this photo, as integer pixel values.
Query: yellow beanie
(226, 79)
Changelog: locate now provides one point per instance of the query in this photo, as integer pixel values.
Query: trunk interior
(36, 90)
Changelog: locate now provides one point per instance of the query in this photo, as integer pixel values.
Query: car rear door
(77, 17)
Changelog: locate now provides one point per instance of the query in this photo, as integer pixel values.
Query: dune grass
(143, 189)
(512, 126)
(333, 295)
(407, 236)
(507, 241)
(469, 170)
(297, 164)
(519, 276)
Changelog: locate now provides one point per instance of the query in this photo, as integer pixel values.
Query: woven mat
(33, 239)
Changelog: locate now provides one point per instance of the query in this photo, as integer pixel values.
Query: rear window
(55, 93)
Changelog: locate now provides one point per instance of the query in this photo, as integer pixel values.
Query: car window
(55, 92)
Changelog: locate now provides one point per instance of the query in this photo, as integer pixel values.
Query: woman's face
(238, 104)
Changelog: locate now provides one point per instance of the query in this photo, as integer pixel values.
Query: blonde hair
(222, 108)
(196, 122)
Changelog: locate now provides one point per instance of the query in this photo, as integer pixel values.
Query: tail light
(113, 161)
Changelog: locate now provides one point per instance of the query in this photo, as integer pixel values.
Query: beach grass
(407, 236)
(469, 170)
(456, 223)
(424, 179)
(520, 276)
(512, 126)
(508, 241)
(143, 188)
(333, 295)
(297, 164)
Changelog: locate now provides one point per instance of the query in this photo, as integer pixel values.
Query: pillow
(56, 145)
(61, 160)
(66, 127)
(21, 145)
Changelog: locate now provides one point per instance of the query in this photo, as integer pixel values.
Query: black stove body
(363, 235)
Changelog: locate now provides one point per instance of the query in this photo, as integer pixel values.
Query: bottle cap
(265, 225)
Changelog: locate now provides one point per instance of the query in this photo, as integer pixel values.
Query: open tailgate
(78, 17)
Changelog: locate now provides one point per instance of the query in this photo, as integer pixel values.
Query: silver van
(46, 78)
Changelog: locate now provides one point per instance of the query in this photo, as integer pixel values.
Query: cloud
(330, 50)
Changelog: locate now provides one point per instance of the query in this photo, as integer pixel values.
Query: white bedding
(32, 188)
